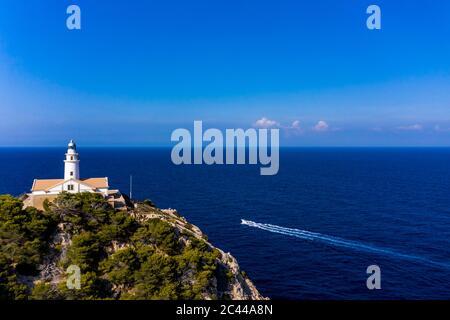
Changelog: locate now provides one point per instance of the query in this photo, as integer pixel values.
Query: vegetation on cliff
(139, 253)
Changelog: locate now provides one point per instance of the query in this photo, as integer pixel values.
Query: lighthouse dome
(72, 145)
(71, 164)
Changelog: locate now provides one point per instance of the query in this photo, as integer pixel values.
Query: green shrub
(158, 233)
(45, 291)
(155, 264)
(120, 267)
(149, 203)
(84, 252)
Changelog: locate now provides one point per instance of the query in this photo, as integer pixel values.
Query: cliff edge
(79, 247)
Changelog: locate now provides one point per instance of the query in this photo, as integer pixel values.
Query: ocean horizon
(308, 232)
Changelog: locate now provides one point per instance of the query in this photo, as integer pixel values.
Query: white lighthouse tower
(72, 162)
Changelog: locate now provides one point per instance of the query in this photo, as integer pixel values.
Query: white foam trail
(339, 242)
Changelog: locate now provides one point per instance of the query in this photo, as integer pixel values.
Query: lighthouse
(72, 182)
(72, 162)
(49, 189)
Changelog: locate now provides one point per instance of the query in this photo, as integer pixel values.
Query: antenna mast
(131, 187)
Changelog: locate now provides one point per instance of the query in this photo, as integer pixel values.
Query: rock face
(226, 281)
(240, 287)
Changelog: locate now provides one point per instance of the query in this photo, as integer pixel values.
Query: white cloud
(413, 127)
(293, 129)
(321, 126)
(295, 124)
(438, 128)
(266, 123)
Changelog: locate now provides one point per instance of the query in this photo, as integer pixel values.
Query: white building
(49, 188)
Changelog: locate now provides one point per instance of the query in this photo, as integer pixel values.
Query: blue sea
(311, 231)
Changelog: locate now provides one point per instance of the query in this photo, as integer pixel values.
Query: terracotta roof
(97, 183)
(46, 184)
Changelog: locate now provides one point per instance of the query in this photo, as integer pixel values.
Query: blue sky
(139, 69)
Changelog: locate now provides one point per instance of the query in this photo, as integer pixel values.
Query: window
(71, 173)
(71, 157)
(70, 187)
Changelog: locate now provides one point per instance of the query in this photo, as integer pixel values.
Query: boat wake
(339, 242)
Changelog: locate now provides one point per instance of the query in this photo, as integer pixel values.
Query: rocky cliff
(139, 253)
